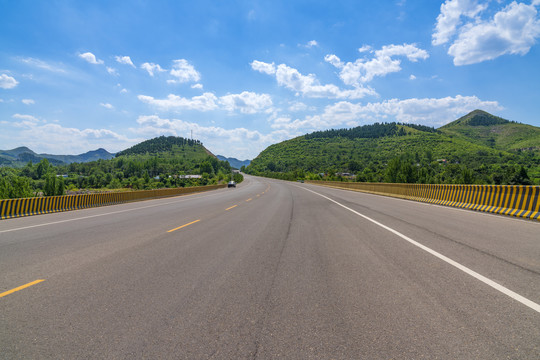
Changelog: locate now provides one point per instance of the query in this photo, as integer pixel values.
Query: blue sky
(242, 75)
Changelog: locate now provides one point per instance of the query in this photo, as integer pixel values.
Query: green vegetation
(163, 162)
(476, 149)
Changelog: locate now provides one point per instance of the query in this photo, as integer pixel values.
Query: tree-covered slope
(192, 149)
(436, 155)
(483, 128)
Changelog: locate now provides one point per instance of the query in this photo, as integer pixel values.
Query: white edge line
(485, 280)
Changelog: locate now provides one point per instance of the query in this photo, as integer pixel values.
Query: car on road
(231, 184)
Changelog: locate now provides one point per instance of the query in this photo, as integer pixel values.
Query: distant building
(189, 176)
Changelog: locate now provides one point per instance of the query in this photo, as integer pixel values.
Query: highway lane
(283, 273)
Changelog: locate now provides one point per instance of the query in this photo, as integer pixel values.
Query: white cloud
(43, 65)
(513, 30)
(126, 60)
(91, 58)
(412, 77)
(28, 101)
(25, 119)
(151, 68)
(7, 82)
(112, 71)
(269, 69)
(247, 102)
(427, 111)
(364, 70)
(298, 106)
(205, 102)
(123, 91)
(310, 44)
(107, 106)
(184, 72)
(308, 85)
(63, 140)
(450, 18)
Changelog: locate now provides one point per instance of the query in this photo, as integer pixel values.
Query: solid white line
(463, 268)
(183, 198)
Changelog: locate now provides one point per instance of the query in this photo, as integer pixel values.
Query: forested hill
(164, 144)
(373, 131)
(477, 148)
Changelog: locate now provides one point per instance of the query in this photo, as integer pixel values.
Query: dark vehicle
(231, 184)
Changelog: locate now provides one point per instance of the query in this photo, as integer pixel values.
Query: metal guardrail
(513, 200)
(11, 208)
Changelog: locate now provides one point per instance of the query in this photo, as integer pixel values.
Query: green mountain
(483, 128)
(477, 148)
(234, 162)
(192, 149)
(20, 156)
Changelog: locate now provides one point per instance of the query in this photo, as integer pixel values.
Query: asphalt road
(270, 270)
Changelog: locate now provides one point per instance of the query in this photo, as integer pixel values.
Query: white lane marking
(485, 280)
(183, 198)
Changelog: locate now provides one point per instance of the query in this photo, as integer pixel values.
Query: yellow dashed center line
(249, 199)
(232, 207)
(193, 222)
(20, 288)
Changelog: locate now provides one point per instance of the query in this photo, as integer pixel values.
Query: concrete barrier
(513, 200)
(11, 208)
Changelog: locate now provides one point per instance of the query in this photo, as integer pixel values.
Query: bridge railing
(11, 208)
(514, 200)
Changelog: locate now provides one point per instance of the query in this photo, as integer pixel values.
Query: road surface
(270, 270)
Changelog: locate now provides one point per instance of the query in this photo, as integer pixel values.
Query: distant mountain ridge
(22, 155)
(234, 162)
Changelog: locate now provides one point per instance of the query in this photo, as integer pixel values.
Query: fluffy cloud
(269, 69)
(450, 18)
(204, 102)
(151, 68)
(28, 101)
(184, 72)
(247, 102)
(308, 85)
(7, 82)
(427, 111)
(512, 30)
(126, 60)
(91, 58)
(364, 70)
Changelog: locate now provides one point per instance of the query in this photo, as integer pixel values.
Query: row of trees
(137, 172)
(406, 168)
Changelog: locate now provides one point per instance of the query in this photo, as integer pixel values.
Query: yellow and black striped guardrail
(514, 200)
(11, 208)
